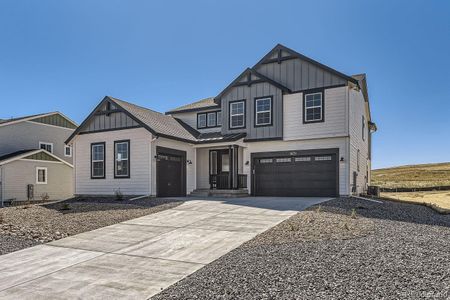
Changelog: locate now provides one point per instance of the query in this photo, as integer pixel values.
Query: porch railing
(221, 181)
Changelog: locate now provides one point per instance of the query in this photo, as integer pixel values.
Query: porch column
(235, 168)
(230, 173)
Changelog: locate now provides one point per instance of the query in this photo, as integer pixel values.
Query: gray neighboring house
(288, 126)
(33, 152)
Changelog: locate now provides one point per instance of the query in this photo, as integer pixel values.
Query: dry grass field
(413, 176)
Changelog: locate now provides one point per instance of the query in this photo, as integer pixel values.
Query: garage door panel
(309, 175)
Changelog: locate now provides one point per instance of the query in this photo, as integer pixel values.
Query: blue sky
(67, 55)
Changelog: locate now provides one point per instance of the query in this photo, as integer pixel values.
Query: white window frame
(46, 144)
(116, 160)
(312, 107)
(198, 120)
(214, 113)
(363, 128)
(219, 118)
(237, 114)
(263, 111)
(93, 161)
(70, 151)
(45, 176)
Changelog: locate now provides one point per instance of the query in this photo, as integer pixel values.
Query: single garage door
(170, 172)
(296, 175)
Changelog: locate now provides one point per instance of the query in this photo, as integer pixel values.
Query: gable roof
(11, 121)
(207, 103)
(247, 72)
(295, 54)
(13, 156)
(155, 122)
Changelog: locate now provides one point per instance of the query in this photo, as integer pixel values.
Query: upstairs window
(363, 128)
(122, 159)
(46, 146)
(67, 151)
(201, 121)
(313, 107)
(237, 114)
(209, 119)
(263, 111)
(98, 160)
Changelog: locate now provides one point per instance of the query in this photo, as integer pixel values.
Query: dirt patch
(439, 200)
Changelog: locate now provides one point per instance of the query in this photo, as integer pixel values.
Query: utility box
(30, 192)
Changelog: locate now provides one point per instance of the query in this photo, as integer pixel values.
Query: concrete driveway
(139, 258)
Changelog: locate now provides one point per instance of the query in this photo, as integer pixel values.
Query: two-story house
(288, 126)
(35, 163)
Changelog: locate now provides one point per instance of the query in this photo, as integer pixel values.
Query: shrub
(118, 194)
(66, 206)
(44, 197)
(353, 215)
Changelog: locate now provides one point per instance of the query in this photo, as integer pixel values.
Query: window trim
(256, 111)
(46, 143)
(230, 103)
(358, 163)
(312, 92)
(363, 128)
(67, 147)
(104, 160)
(37, 175)
(206, 121)
(206, 114)
(129, 159)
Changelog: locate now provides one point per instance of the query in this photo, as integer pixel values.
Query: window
(313, 107)
(67, 151)
(304, 158)
(283, 160)
(41, 175)
(322, 158)
(122, 159)
(209, 120)
(265, 160)
(237, 114)
(212, 119)
(201, 121)
(219, 118)
(363, 128)
(357, 159)
(98, 160)
(263, 111)
(46, 146)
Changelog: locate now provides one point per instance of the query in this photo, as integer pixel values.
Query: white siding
(18, 174)
(190, 118)
(341, 143)
(139, 181)
(335, 123)
(190, 155)
(357, 110)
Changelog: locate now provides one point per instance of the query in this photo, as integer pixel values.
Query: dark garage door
(302, 175)
(170, 173)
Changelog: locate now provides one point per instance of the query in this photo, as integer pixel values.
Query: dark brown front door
(171, 173)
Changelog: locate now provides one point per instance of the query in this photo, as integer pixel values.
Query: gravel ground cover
(28, 225)
(387, 250)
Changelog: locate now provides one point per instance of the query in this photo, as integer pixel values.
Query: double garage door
(296, 173)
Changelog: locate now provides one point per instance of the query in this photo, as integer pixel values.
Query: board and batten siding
(139, 182)
(191, 155)
(27, 135)
(297, 74)
(190, 118)
(357, 110)
(249, 94)
(335, 115)
(18, 174)
(327, 143)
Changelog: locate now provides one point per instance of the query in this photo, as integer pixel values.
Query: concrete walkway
(139, 258)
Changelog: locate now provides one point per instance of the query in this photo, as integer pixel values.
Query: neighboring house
(288, 126)
(33, 152)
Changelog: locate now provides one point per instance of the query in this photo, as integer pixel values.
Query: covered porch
(221, 168)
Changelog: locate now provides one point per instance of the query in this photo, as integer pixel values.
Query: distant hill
(411, 176)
